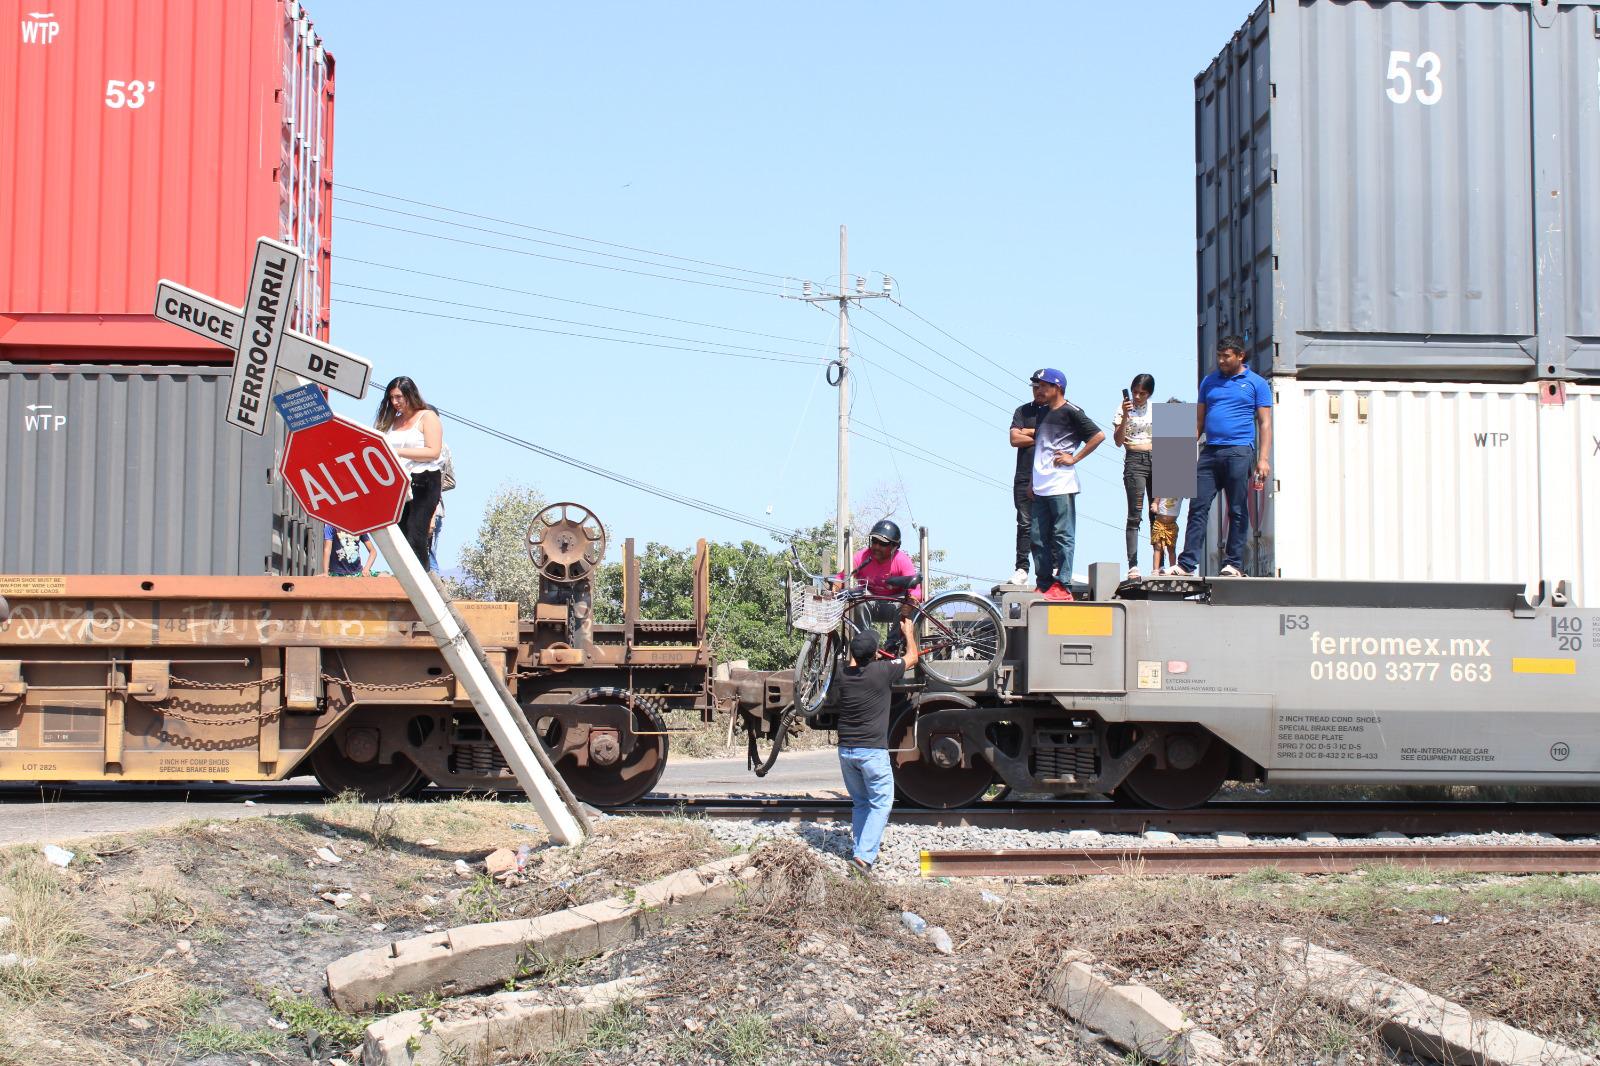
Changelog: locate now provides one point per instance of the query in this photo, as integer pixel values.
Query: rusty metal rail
(1222, 861)
(1349, 818)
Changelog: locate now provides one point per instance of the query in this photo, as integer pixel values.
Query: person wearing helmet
(873, 566)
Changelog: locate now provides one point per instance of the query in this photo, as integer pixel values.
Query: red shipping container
(149, 139)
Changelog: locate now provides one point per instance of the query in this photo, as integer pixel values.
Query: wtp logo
(42, 29)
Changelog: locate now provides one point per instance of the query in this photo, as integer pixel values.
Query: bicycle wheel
(813, 671)
(961, 638)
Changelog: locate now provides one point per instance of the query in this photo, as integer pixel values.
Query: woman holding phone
(1135, 434)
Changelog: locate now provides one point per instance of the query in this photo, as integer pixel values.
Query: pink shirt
(876, 574)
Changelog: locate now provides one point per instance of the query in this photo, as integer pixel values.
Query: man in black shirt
(866, 689)
(1023, 423)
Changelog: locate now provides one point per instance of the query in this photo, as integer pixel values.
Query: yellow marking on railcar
(1079, 622)
(1544, 666)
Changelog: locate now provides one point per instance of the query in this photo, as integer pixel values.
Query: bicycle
(960, 635)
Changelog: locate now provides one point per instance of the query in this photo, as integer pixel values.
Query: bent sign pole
(563, 822)
(347, 476)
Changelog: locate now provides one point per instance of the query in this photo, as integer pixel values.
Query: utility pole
(842, 381)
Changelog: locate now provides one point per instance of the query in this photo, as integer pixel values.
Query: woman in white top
(413, 430)
(1135, 434)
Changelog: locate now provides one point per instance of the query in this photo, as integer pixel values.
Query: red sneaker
(1058, 592)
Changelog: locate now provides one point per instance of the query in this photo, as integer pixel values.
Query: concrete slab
(508, 1026)
(1132, 1016)
(473, 957)
(1413, 1019)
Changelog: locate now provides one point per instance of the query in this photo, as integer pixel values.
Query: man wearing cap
(1235, 418)
(866, 689)
(1024, 422)
(1065, 436)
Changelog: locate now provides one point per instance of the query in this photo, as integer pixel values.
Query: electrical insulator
(888, 285)
(805, 289)
(861, 284)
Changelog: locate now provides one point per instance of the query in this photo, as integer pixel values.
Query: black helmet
(886, 531)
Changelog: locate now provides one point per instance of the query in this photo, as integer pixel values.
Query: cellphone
(1126, 395)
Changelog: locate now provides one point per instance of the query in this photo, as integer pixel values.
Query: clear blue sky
(1024, 171)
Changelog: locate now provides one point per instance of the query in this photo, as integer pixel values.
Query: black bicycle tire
(930, 665)
(830, 651)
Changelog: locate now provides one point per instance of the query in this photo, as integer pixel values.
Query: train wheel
(1191, 776)
(338, 772)
(918, 776)
(612, 777)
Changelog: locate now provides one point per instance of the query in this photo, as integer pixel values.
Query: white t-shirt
(1065, 429)
(1140, 433)
(1166, 506)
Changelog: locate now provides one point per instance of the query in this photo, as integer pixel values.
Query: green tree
(749, 604)
(496, 564)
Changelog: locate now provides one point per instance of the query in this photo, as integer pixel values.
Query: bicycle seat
(900, 584)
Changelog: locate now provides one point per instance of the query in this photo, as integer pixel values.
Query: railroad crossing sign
(259, 336)
(345, 474)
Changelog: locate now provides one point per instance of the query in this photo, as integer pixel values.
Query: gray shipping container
(131, 470)
(1403, 190)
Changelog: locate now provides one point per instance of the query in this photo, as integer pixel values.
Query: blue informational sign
(303, 407)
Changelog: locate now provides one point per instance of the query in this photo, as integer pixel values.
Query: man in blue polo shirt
(1235, 417)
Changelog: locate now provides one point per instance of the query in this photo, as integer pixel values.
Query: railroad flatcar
(260, 678)
(1159, 692)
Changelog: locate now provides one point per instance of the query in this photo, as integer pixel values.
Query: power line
(625, 480)
(928, 458)
(559, 233)
(906, 495)
(569, 300)
(564, 321)
(583, 336)
(888, 435)
(552, 244)
(1004, 370)
(553, 258)
(960, 366)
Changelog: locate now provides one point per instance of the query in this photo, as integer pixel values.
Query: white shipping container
(1432, 482)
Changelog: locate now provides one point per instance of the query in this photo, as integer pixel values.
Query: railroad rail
(1261, 817)
(1223, 861)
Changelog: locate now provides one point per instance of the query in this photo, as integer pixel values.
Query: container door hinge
(148, 679)
(302, 678)
(12, 687)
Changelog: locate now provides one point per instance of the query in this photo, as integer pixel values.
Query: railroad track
(1262, 817)
(1342, 818)
(1223, 861)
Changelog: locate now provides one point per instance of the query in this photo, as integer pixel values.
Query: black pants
(1136, 480)
(1022, 496)
(418, 515)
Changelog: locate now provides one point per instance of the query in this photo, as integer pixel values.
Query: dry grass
(104, 932)
(1522, 951)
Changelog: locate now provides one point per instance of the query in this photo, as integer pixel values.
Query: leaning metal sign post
(346, 475)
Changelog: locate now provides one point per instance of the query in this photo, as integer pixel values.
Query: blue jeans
(1055, 525)
(869, 778)
(1226, 467)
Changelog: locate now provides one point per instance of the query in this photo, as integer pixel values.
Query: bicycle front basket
(813, 610)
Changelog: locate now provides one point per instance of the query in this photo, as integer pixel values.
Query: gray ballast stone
(508, 1026)
(473, 957)
(1415, 1020)
(1132, 1016)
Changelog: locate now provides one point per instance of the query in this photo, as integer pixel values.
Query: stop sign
(345, 475)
